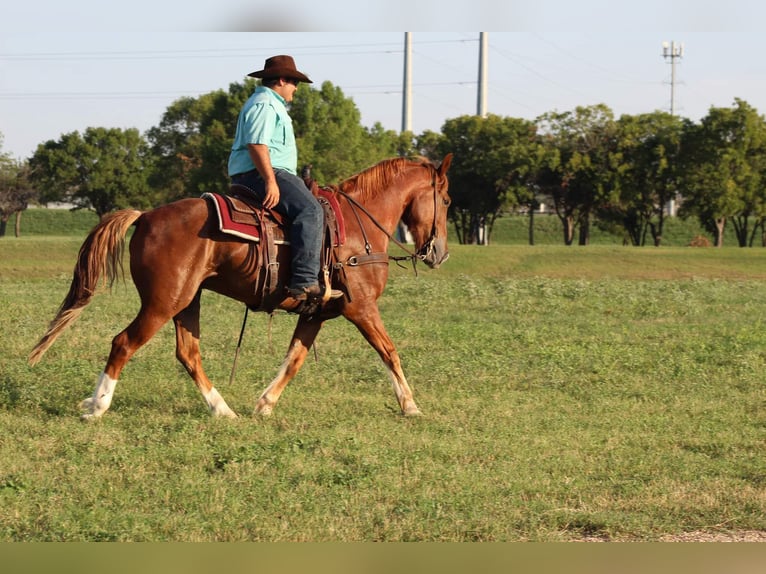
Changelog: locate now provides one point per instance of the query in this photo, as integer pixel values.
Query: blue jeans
(306, 219)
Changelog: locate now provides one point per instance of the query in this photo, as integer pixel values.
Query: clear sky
(66, 66)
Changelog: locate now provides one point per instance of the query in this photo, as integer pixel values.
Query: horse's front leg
(370, 324)
(303, 337)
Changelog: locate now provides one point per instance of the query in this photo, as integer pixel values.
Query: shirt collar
(273, 93)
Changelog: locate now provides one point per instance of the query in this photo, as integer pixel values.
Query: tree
(585, 175)
(650, 145)
(104, 169)
(192, 143)
(430, 144)
(489, 154)
(725, 167)
(16, 190)
(526, 179)
(330, 136)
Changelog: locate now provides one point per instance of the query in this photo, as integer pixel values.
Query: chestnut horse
(177, 250)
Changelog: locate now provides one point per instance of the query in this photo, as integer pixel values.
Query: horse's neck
(388, 206)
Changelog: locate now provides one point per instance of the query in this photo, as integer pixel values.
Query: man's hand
(259, 153)
(272, 194)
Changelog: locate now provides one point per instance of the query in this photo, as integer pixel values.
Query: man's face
(286, 88)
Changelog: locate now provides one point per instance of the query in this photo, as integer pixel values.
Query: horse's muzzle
(434, 251)
(435, 254)
(435, 264)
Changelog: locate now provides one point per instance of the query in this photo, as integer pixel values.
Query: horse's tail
(100, 254)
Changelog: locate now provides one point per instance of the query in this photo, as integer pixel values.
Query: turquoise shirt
(264, 120)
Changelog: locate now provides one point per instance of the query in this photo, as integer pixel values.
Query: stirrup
(312, 293)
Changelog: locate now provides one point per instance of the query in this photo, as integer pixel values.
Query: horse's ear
(445, 164)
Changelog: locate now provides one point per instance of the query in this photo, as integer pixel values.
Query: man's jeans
(305, 215)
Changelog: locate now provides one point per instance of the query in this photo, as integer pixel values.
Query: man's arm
(259, 153)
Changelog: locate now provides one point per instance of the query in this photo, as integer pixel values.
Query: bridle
(428, 247)
(414, 256)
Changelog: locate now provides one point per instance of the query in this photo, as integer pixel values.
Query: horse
(177, 250)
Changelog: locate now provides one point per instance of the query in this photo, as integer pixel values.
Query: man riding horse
(264, 159)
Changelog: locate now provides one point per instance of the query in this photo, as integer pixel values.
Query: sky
(67, 66)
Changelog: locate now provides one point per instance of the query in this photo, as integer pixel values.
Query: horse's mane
(368, 182)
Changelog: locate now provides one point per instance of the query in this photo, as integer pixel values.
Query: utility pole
(673, 51)
(407, 88)
(402, 233)
(481, 111)
(481, 107)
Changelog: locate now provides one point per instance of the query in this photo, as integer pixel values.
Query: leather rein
(369, 257)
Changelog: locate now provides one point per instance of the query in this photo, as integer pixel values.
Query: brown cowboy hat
(280, 67)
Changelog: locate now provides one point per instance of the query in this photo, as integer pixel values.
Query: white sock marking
(217, 405)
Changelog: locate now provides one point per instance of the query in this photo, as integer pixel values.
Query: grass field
(599, 393)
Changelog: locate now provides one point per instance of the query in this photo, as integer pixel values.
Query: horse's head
(426, 216)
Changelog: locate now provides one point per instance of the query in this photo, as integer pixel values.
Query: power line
(612, 75)
(91, 95)
(390, 47)
(507, 55)
(376, 89)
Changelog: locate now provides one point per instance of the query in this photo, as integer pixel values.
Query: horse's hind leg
(187, 352)
(303, 337)
(124, 345)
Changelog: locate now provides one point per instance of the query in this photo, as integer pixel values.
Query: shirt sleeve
(259, 125)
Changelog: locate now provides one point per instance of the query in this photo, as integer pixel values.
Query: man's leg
(253, 181)
(305, 215)
(306, 218)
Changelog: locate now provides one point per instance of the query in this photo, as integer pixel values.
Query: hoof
(88, 406)
(413, 412)
(262, 410)
(224, 414)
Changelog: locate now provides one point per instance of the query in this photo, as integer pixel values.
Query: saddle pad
(236, 218)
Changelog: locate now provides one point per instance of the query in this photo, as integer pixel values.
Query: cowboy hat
(280, 67)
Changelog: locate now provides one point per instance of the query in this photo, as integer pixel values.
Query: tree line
(618, 173)
(588, 166)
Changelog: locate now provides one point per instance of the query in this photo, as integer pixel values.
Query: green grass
(568, 393)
